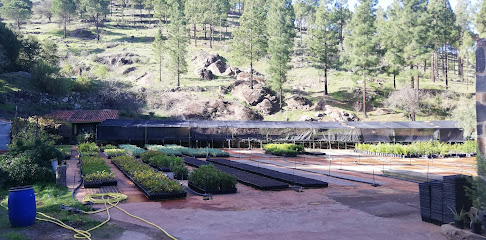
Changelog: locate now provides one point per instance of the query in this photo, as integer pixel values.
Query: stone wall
(481, 96)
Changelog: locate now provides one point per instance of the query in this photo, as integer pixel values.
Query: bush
(207, 177)
(24, 169)
(146, 156)
(65, 149)
(86, 137)
(45, 78)
(83, 84)
(286, 149)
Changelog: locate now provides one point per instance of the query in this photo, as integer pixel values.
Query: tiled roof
(84, 116)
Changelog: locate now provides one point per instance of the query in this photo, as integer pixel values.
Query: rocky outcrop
(244, 76)
(218, 67)
(232, 72)
(339, 115)
(118, 59)
(298, 102)
(204, 73)
(266, 107)
(253, 96)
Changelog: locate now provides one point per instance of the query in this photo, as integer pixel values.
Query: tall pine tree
(177, 40)
(360, 45)
(324, 45)
(250, 41)
(280, 29)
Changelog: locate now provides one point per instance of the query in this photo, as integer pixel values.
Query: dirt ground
(344, 210)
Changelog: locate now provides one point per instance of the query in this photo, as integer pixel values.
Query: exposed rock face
(306, 118)
(339, 115)
(129, 70)
(204, 59)
(232, 72)
(218, 67)
(297, 102)
(204, 73)
(81, 67)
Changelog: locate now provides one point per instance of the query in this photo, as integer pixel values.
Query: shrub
(286, 149)
(66, 150)
(86, 137)
(208, 178)
(146, 156)
(45, 78)
(83, 84)
(22, 169)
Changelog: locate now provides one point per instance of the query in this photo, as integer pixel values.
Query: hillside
(124, 71)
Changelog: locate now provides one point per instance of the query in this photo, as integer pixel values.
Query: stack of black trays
(425, 200)
(455, 196)
(436, 197)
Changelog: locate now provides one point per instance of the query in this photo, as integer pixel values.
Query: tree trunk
(394, 81)
(141, 15)
(364, 95)
(211, 35)
(220, 29)
(412, 80)
(418, 78)
(432, 67)
(280, 97)
(65, 20)
(205, 32)
(97, 27)
(300, 30)
(425, 65)
(446, 68)
(160, 64)
(195, 36)
(18, 23)
(325, 79)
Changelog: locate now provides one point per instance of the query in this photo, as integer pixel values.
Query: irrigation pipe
(105, 198)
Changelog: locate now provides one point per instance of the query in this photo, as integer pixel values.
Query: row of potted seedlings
(181, 151)
(473, 220)
(429, 149)
(132, 149)
(284, 149)
(208, 179)
(154, 184)
(94, 170)
(162, 162)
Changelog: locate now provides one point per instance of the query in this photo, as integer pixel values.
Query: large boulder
(204, 73)
(204, 59)
(266, 107)
(253, 96)
(298, 102)
(244, 76)
(237, 111)
(232, 72)
(218, 67)
(118, 59)
(339, 115)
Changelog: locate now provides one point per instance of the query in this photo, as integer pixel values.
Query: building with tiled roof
(83, 120)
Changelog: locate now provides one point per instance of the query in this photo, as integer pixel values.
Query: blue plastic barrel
(21, 206)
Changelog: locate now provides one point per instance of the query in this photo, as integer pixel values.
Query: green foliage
(48, 52)
(465, 115)
(9, 48)
(360, 45)
(96, 9)
(83, 84)
(88, 147)
(421, 148)
(280, 29)
(177, 41)
(29, 53)
(33, 128)
(95, 169)
(65, 149)
(153, 181)
(101, 71)
(109, 146)
(208, 178)
(17, 10)
(286, 149)
(478, 190)
(86, 137)
(158, 48)
(27, 163)
(481, 20)
(46, 79)
(250, 41)
(146, 156)
(457, 215)
(169, 150)
(115, 152)
(64, 9)
(133, 150)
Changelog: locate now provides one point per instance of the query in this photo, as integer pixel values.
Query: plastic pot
(476, 227)
(459, 224)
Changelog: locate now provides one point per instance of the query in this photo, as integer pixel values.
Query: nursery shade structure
(156, 131)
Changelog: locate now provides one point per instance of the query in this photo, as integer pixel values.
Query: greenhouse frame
(201, 133)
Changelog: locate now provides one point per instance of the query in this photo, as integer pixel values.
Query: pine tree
(177, 40)
(444, 31)
(96, 9)
(64, 9)
(360, 45)
(325, 43)
(463, 21)
(17, 10)
(250, 40)
(194, 16)
(280, 29)
(158, 47)
(481, 20)
(342, 15)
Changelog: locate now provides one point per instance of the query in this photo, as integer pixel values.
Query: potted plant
(458, 217)
(475, 223)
